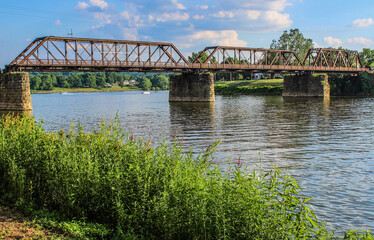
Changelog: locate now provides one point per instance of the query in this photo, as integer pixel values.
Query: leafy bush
(109, 180)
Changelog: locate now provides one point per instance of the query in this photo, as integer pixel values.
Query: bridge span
(196, 83)
(86, 54)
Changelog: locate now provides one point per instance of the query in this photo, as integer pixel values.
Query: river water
(328, 146)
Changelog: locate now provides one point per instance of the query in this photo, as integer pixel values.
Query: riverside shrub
(108, 177)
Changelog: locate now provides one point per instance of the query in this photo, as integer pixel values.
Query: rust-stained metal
(334, 58)
(61, 54)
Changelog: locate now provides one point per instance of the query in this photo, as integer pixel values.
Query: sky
(191, 25)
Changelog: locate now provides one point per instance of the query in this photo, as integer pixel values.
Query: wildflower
(239, 162)
(132, 137)
(182, 140)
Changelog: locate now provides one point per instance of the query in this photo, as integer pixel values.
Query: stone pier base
(191, 87)
(306, 85)
(15, 92)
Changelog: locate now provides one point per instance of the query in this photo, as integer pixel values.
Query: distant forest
(49, 81)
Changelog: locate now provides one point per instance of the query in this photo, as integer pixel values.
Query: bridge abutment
(15, 92)
(306, 85)
(192, 87)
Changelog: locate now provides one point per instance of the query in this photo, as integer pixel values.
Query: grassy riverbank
(250, 87)
(109, 184)
(73, 90)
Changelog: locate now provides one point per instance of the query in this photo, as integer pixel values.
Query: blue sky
(190, 24)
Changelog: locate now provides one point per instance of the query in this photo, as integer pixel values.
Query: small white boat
(146, 92)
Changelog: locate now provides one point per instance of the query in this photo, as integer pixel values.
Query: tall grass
(107, 177)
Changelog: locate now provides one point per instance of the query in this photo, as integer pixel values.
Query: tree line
(49, 81)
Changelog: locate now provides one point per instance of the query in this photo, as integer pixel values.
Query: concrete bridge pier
(192, 87)
(15, 92)
(306, 85)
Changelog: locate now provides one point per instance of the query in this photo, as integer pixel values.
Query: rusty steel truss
(321, 57)
(84, 54)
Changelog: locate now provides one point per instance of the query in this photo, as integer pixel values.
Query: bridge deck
(82, 54)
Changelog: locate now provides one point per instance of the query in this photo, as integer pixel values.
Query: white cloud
(204, 7)
(198, 17)
(223, 14)
(99, 3)
(223, 38)
(363, 22)
(134, 20)
(333, 42)
(82, 5)
(58, 22)
(360, 40)
(92, 3)
(277, 20)
(253, 14)
(177, 16)
(316, 45)
(272, 5)
(129, 34)
(178, 5)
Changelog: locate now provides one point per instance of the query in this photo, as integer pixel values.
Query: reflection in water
(326, 144)
(194, 122)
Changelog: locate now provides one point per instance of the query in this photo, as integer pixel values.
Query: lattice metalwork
(85, 54)
(334, 58)
(248, 56)
(75, 54)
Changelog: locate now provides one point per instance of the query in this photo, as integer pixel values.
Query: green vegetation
(294, 41)
(345, 85)
(259, 87)
(99, 80)
(108, 184)
(112, 89)
(367, 57)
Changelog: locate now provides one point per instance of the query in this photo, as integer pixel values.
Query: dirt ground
(14, 226)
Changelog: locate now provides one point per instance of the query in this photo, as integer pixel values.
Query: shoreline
(83, 90)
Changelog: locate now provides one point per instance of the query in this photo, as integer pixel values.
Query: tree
(100, 79)
(46, 82)
(75, 80)
(294, 41)
(202, 58)
(367, 57)
(144, 83)
(160, 81)
(35, 82)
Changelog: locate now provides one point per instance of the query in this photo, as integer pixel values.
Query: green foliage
(203, 58)
(295, 41)
(160, 81)
(106, 180)
(342, 85)
(358, 235)
(367, 57)
(49, 81)
(252, 87)
(144, 83)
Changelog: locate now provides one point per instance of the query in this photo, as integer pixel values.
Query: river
(328, 146)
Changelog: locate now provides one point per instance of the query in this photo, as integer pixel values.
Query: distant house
(133, 82)
(126, 82)
(108, 85)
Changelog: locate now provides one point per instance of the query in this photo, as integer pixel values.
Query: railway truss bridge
(84, 54)
(196, 83)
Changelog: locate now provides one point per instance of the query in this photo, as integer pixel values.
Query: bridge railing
(77, 65)
(81, 54)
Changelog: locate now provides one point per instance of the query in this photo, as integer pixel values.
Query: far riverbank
(242, 87)
(273, 87)
(80, 90)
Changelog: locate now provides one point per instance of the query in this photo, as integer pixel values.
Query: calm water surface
(327, 145)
